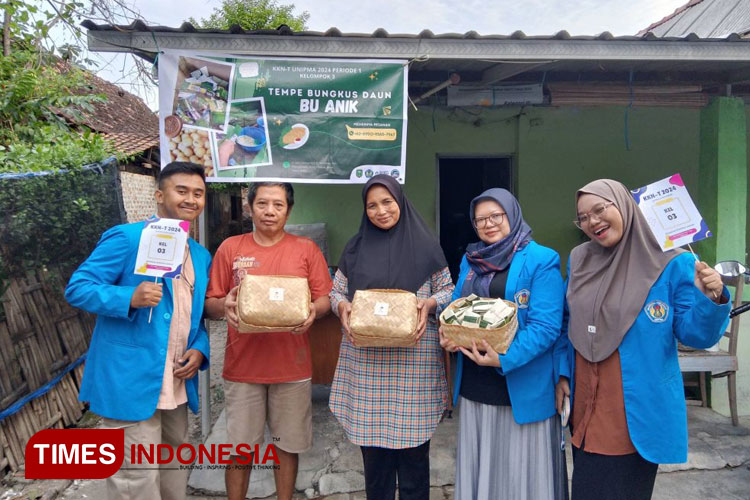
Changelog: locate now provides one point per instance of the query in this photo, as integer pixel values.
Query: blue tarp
(16, 407)
(93, 166)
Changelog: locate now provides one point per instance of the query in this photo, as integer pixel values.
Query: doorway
(460, 180)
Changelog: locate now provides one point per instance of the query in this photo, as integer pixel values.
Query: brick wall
(138, 195)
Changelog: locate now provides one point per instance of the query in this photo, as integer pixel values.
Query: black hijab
(402, 257)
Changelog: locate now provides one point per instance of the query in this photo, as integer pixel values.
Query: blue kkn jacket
(675, 309)
(125, 362)
(536, 285)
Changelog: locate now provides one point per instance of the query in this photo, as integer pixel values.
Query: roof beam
(528, 50)
(430, 76)
(640, 77)
(501, 72)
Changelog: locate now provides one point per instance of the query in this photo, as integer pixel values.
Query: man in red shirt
(267, 376)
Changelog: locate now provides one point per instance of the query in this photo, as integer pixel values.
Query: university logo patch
(522, 298)
(657, 311)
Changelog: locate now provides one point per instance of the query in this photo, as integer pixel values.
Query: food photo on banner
(245, 142)
(298, 120)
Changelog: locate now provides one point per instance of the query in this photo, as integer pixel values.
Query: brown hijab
(607, 287)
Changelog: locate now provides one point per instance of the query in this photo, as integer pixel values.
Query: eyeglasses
(481, 222)
(597, 211)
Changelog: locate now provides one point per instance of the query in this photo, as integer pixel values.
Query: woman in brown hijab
(629, 303)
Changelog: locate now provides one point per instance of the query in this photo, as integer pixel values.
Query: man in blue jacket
(149, 341)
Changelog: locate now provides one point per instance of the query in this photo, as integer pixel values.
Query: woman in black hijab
(390, 399)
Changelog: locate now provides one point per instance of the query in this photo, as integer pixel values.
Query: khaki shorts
(286, 407)
(166, 481)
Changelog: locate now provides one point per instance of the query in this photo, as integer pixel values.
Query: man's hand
(189, 364)
(147, 294)
(230, 308)
(424, 308)
(562, 389)
(345, 311)
(308, 322)
(489, 358)
(446, 344)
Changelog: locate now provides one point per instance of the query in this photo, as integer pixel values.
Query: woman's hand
(488, 358)
(708, 281)
(345, 310)
(562, 389)
(424, 309)
(446, 344)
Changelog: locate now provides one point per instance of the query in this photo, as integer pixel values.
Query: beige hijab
(607, 287)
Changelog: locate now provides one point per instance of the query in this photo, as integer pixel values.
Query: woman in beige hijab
(629, 303)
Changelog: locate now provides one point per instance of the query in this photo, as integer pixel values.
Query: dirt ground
(218, 338)
(14, 486)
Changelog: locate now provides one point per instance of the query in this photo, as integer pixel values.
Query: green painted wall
(453, 134)
(738, 137)
(339, 206)
(562, 149)
(555, 151)
(723, 171)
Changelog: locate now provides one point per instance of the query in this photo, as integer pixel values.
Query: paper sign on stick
(671, 214)
(162, 248)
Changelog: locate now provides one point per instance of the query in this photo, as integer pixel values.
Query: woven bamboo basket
(384, 318)
(272, 303)
(498, 338)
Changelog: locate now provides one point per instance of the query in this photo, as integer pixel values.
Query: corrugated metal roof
(706, 19)
(140, 26)
(480, 59)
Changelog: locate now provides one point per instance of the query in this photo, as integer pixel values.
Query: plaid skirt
(392, 397)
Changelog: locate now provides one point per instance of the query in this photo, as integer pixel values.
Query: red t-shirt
(267, 358)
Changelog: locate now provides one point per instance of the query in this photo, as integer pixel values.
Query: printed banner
(272, 119)
(161, 249)
(100, 453)
(670, 212)
(74, 453)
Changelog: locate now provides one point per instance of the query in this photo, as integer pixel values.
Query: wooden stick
(691, 251)
(151, 310)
